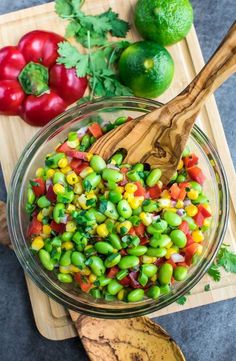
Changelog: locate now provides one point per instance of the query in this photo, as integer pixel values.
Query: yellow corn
(164, 203)
(169, 245)
(40, 216)
(146, 218)
(39, 172)
(89, 156)
(120, 189)
(197, 236)
(66, 170)
(165, 194)
(92, 277)
(85, 272)
(172, 209)
(46, 229)
(179, 204)
(73, 268)
(160, 184)
(128, 196)
(125, 224)
(72, 178)
(102, 230)
(199, 250)
(64, 269)
(37, 243)
(192, 194)
(71, 226)
(121, 294)
(47, 211)
(78, 189)
(207, 222)
(134, 203)
(208, 208)
(191, 210)
(73, 143)
(58, 188)
(180, 165)
(131, 187)
(169, 252)
(148, 260)
(82, 201)
(86, 171)
(50, 173)
(67, 245)
(63, 163)
(154, 278)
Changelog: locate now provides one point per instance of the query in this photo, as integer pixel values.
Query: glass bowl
(44, 141)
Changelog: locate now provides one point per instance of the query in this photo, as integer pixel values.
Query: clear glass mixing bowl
(33, 157)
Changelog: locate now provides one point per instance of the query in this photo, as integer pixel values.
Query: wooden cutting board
(53, 320)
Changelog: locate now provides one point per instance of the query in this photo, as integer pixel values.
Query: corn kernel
(58, 188)
(169, 252)
(121, 294)
(50, 173)
(197, 236)
(180, 165)
(192, 194)
(46, 229)
(39, 172)
(71, 226)
(72, 178)
(66, 170)
(154, 278)
(47, 211)
(102, 230)
(64, 269)
(169, 245)
(164, 203)
(120, 189)
(165, 194)
(125, 224)
(63, 163)
(131, 187)
(40, 216)
(191, 210)
(148, 260)
(67, 245)
(73, 143)
(73, 268)
(89, 156)
(128, 196)
(134, 203)
(172, 209)
(92, 278)
(86, 171)
(160, 184)
(208, 208)
(199, 250)
(70, 208)
(179, 204)
(85, 272)
(78, 189)
(207, 222)
(146, 218)
(37, 243)
(82, 201)
(100, 186)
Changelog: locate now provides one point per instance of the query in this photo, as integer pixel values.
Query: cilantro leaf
(118, 27)
(227, 259)
(214, 273)
(63, 8)
(182, 300)
(207, 288)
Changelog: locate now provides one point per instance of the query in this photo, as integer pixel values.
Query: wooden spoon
(160, 137)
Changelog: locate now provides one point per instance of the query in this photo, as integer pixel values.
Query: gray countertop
(206, 333)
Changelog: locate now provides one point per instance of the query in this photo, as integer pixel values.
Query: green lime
(147, 68)
(163, 21)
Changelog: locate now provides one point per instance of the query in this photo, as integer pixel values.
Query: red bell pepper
(50, 195)
(154, 192)
(58, 228)
(95, 130)
(32, 85)
(112, 272)
(78, 155)
(196, 174)
(83, 282)
(63, 148)
(35, 227)
(189, 240)
(141, 191)
(38, 186)
(204, 211)
(184, 227)
(190, 160)
(175, 191)
(190, 252)
(125, 281)
(140, 230)
(199, 219)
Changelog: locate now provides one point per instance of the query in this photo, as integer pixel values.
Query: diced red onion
(181, 212)
(187, 202)
(64, 219)
(82, 131)
(176, 257)
(156, 217)
(112, 166)
(173, 203)
(48, 183)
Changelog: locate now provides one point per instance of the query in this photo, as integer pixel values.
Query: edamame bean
(191, 223)
(91, 181)
(150, 206)
(110, 210)
(165, 289)
(181, 178)
(124, 209)
(128, 262)
(135, 295)
(139, 167)
(156, 252)
(137, 251)
(117, 158)
(112, 260)
(58, 212)
(135, 220)
(137, 211)
(178, 238)
(120, 120)
(142, 279)
(103, 281)
(161, 242)
(114, 196)
(64, 278)
(66, 259)
(115, 241)
(133, 176)
(109, 297)
(165, 273)
(149, 269)
(45, 259)
(66, 236)
(154, 292)
(122, 274)
(201, 199)
(114, 287)
(103, 248)
(59, 177)
(111, 185)
(96, 265)
(30, 196)
(112, 175)
(172, 219)
(196, 186)
(43, 202)
(152, 230)
(96, 293)
(153, 177)
(66, 197)
(180, 273)
(78, 259)
(97, 163)
(52, 160)
(84, 143)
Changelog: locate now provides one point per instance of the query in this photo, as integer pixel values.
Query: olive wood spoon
(160, 137)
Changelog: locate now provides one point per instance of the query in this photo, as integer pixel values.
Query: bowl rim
(50, 289)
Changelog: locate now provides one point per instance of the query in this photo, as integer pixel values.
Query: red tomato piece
(196, 174)
(63, 148)
(199, 219)
(58, 228)
(190, 160)
(184, 227)
(189, 240)
(204, 211)
(83, 282)
(154, 192)
(189, 252)
(174, 191)
(81, 167)
(75, 163)
(35, 227)
(141, 191)
(124, 170)
(125, 281)
(95, 130)
(184, 185)
(140, 230)
(144, 241)
(38, 187)
(182, 194)
(112, 272)
(77, 155)
(132, 231)
(50, 195)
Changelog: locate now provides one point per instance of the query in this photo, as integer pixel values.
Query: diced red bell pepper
(141, 191)
(143, 241)
(38, 187)
(190, 160)
(184, 185)
(112, 272)
(95, 130)
(174, 191)
(159, 262)
(124, 170)
(58, 228)
(75, 163)
(50, 195)
(78, 155)
(83, 282)
(81, 167)
(154, 192)
(189, 252)
(125, 281)
(199, 219)
(35, 227)
(184, 227)
(204, 211)
(182, 194)
(132, 231)
(182, 264)
(140, 230)
(123, 252)
(196, 174)
(189, 240)
(133, 276)
(171, 262)
(63, 148)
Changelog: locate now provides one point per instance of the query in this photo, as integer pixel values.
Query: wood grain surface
(52, 319)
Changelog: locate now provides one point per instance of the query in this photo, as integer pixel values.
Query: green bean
(122, 274)
(186, 151)
(149, 269)
(115, 241)
(30, 196)
(58, 212)
(78, 259)
(135, 295)
(64, 278)
(43, 202)
(142, 279)
(133, 176)
(150, 206)
(103, 281)
(165, 273)
(66, 259)
(162, 242)
(112, 175)
(180, 273)
(172, 218)
(154, 292)
(137, 251)
(114, 196)
(65, 197)
(96, 265)
(91, 181)
(45, 259)
(97, 163)
(52, 160)
(153, 177)
(112, 260)
(156, 252)
(96, 293)
(117, 158)
(103, 247)
(114, 287)
(124, 209)
(128, 262)
(178, 238)
(66, 236)
(139, 167)
(191, 223)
